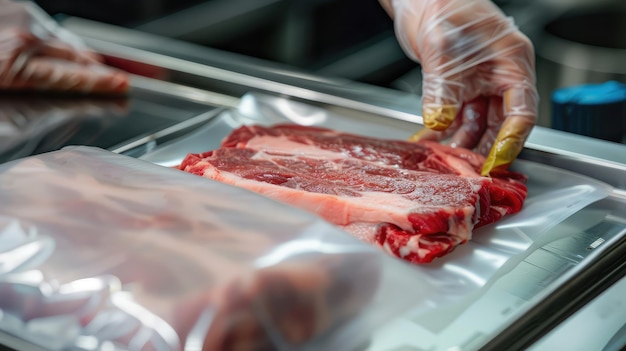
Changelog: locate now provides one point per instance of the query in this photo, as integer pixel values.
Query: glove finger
(519, 107)
(433, 135)
(425, 134)
(494, 120)
(59, 75)
(441, 100)
(426, 41)
(473, 123)
(442, 91)
(17, 48)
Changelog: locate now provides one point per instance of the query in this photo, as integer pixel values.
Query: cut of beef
(416, 200)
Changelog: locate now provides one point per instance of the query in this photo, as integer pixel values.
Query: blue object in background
(594, 110)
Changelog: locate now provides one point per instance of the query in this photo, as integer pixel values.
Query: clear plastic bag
(102, 251)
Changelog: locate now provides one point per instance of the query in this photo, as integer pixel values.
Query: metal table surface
(31, 124)
(198, 82)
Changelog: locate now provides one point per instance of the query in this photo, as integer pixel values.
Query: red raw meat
(416, 200)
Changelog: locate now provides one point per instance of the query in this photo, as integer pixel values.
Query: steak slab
(416, 200)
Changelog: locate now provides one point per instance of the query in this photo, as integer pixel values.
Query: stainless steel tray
(517, 290)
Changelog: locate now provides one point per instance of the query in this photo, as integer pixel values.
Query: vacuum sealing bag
(102, 251)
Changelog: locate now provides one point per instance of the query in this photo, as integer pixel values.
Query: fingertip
(120, 83)
(110, 81)
(90, 57)
(441, 100)
(502, 154)
(508, 144)
(494, 162)
(419, 135)
(439, 117)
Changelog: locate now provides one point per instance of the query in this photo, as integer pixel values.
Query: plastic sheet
(100, 251)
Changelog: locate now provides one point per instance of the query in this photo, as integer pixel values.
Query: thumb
(441, 101)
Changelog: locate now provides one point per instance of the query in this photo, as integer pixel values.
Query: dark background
(354, 39)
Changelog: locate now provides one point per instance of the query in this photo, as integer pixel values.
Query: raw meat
(416, 200)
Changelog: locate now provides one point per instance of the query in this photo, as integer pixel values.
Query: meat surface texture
(417, 201)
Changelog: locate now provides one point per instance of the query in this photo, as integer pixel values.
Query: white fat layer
(271, 144)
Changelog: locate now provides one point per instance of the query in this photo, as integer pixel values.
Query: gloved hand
(37, 54)
(478, 75)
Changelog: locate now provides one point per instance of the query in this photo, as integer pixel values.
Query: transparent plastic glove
(37, 54)
(478, 75)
